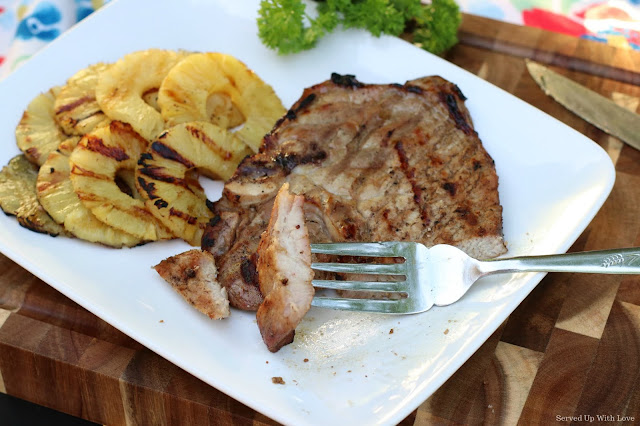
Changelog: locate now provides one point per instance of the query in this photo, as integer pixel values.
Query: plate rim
(32, 267)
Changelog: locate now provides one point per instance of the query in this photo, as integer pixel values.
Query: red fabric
(553, 22)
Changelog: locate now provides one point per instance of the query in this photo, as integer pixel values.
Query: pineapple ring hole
(125, 181)
(223, 112)
(150, 97)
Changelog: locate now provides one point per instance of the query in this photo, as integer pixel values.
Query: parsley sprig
(285, 25)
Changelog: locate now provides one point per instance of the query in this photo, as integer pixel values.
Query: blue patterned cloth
(28, 25)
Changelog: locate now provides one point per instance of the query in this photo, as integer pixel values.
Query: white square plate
(553, 180)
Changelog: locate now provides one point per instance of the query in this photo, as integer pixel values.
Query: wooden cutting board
(571, 349)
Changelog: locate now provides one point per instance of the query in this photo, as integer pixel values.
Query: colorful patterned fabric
(27, 25)
(616, 22)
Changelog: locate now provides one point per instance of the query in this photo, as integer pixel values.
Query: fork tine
(361, 268)
(362, 285)
(367, 305)
(382, 249)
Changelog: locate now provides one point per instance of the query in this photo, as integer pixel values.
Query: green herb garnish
(285, 26)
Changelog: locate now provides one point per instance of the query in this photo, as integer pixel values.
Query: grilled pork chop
(193, 275)
(284, 271)
(374, 163)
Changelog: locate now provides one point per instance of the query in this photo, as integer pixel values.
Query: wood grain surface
(569, 354)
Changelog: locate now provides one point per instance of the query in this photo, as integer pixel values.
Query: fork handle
(614, 261)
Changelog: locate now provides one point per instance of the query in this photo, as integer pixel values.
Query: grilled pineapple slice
(166, 174)
(75, 107)
(55, 193)
(196, 90)
(38, 133)
(121, 88)
(18, 197)
(95, 164)
(220, 89)
(67, 146)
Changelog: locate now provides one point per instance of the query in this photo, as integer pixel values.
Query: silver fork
(442, 274)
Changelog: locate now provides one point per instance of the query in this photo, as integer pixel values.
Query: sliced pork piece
(193, 274)
(374, 163)
(284, 271)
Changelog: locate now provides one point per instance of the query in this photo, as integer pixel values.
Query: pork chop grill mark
(390, 225)
(464, 210)
(471, 185)
(410, 174)
(249, 271)
(214, 220)
(292, 114)
(410, 88)
(208, 240)
(452, 106)
(346, 80)
(458, 92)
(467, 215)
(450, 187)
(288, 162)
(257, 169)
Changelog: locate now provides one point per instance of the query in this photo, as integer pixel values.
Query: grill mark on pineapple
(177, 98)
(33, 152)
(79, 171)
(75, 104)
(143, 213)
(157, 173)
(96, 144)
(191, 220)
(169, 153)
(160, 204)
(77, 120)
(210, 143)
(87, 196)
(148, 187)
